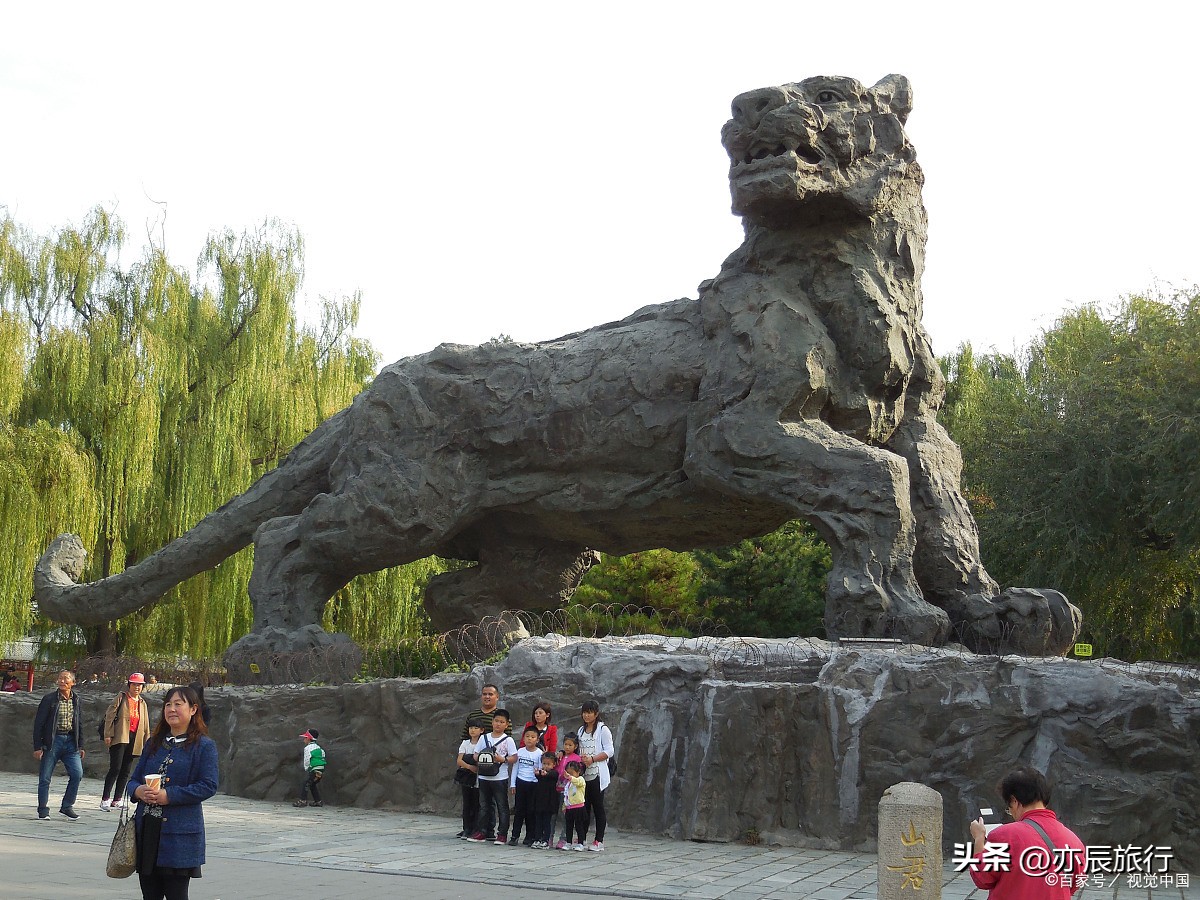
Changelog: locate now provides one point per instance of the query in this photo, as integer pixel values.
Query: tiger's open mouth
(788, 148)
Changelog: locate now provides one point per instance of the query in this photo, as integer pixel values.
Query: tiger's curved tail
(284, 491)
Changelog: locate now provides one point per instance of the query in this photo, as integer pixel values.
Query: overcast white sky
(534, 169)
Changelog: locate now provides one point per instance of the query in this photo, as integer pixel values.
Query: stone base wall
(797, 741)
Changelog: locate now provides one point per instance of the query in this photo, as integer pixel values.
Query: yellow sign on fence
(1083, 649)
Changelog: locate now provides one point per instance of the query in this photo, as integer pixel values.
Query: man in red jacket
(1034, 857)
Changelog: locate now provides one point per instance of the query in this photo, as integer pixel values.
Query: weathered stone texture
(799, 744)
(800, 383)
(909, 843)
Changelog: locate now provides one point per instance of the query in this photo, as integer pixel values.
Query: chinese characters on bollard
(910, 843)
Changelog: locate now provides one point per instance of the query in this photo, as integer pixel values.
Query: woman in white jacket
(595, 749)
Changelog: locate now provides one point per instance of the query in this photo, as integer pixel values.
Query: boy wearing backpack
(494, 755)
(314, 769)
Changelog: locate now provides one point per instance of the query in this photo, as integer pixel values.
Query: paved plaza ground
(260, 850)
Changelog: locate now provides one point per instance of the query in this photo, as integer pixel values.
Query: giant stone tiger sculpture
(800, 384)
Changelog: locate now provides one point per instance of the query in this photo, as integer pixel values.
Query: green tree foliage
(1080, 463)
(662, 585)
(137, 400)
(662, 579)
(770, 586)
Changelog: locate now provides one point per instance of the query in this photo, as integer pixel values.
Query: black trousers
(310, 783)
(576, 825)
(543, 828)
(593, 804)
(157, 886)
(493, 807)
(470, 809)
(120, 762)
(523, 811)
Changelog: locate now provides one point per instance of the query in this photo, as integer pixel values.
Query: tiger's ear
(895, 93)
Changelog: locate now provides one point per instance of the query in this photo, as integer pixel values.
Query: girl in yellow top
(573, 795)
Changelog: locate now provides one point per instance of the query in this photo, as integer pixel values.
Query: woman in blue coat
(170, 823)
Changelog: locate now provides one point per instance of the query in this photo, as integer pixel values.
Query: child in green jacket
(314, 769)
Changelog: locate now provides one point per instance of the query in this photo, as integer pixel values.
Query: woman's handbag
(122, 855)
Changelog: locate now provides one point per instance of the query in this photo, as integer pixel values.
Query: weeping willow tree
(137, 400)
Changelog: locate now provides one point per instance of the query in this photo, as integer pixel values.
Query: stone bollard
(910, 843)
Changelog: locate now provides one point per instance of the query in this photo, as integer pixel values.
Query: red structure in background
(21, 656)
(19, 667)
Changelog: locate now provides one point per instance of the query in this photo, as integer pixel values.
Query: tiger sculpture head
(821, 149)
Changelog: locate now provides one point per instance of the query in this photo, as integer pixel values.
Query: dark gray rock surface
(800, 384)
(716, 737)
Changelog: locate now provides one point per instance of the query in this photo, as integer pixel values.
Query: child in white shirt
(493, 789)
(313, 760)
(465, 777)
(521, 784)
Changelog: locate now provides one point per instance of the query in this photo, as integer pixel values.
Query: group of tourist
(541, 778)
(175, 765)
(176, 769)
(178, 751)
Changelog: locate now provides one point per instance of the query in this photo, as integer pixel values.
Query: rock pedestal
(910, 843)
(796, 741)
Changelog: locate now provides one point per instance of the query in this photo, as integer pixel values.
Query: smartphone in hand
(991, 818)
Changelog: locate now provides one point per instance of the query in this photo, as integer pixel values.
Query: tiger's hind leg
(510, 575)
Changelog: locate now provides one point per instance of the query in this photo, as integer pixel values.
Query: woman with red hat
(125, 728)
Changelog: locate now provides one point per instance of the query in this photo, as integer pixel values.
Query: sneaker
(561, 845)
(578, 847)
(477, 838)
(300, 803)
(461, 834)
(539, 845)
(43, 814)
(501, 840)
(69, 812)
(317, 803)
(105, 805)
(597, 846)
